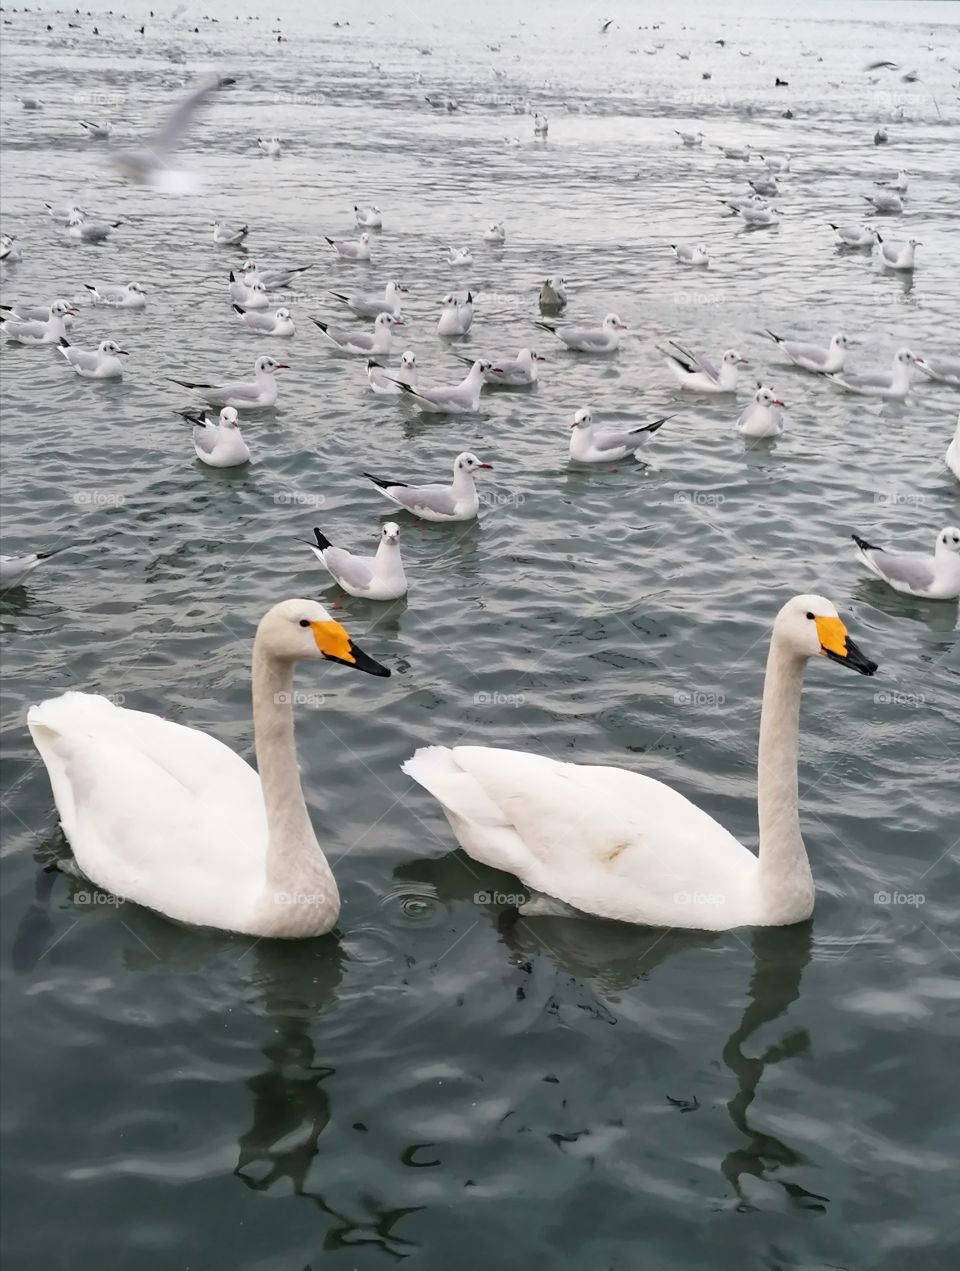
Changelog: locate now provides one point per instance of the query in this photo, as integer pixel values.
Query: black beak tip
(361, 662)
(855, 659)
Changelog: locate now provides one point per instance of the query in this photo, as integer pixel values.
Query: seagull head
(390, 533)
(583, 418)
(467, 462)
(948, 540)
(229, 418)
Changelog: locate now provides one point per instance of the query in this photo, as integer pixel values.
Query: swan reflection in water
(613, 956)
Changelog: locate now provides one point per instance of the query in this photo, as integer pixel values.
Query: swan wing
(605, 840)
(155, 812)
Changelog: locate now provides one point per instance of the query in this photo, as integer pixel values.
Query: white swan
(172, 819)
(621, 845)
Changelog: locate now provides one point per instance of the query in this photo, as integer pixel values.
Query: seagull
(456, 502)
(583, 339)
(253, 296)
(699, 374)
(776, 162)
(279, 323)
(900, 182)
(351, 249)
(952, 457)
(379, 577)
(690, 139)
(261, 391)
(90, 231)
(450, 399)
(51, 331)
(368, 217)
(14, 569)
(368, 304)
(275, 279)
(591, 443)
(514, 372)
(688, 255)
(61, 215)
(131, 296)
(825, 360)
(362, 343)
(893, 384)
(886, 201)
(150, 163)
(217, 445)
(898, 255)
(228, 234)
(854, 235)
(766, 187)
(97, 131)
(553, 294)
(541, 124)
(30, 103)
(763, 417)
(385, 385)
(270, 147)
(935, 577)
(946, 370)
(459, 256)
(11, 253)
(758, 216)
(880, 137)
(456, 316)
(736, 204)
(735, 152)
(495, 233)
(102, 363)
(35, 313)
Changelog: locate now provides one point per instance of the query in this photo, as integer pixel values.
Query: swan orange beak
(335, 644)
(836, 644)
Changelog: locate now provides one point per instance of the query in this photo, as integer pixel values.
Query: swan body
(625, 846)
(172, 819)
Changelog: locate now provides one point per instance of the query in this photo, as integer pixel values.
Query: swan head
(809, 626)
(303, 631)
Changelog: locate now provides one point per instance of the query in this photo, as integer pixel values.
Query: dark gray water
(441, 1082)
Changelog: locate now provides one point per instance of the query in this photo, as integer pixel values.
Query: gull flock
(226, 841)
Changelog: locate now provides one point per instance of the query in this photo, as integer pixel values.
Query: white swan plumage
(622, 845)
(171, 818)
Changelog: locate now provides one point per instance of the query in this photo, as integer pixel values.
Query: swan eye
(811, 617)
(304, 622)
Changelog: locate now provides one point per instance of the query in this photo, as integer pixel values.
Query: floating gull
(456, 502)
(14, 569)
(935, 577)
(855, 235)
(760, 216)
(604, 338)
(459, 256)
(279, 323)
(276, 278)
(900, 182)
(688, 255)
(97, 131)
(456, 316)
(130, 296)
(350, 248)
(368, 304)
(763, 417)
(699, 374)
(51, 331)
(777, 162)
(61, 215)
(495, 233)
(379, 577)
(218, 445)
(541, 124)
(37, 313)
(228, 234)
(766, 187)
(735, 152)
(592, 443)
(893, 384)
(374, 343)
(898, 255)
(952, 457)
(102, 363)
(946, 370)
(512, 372)
(389, 385)
(690, 139)
(553, 294)
(270, 147)
(886, 202)
(11, 253)
(253, 296)
(450, 399)
(825, 360)
(255, 394)
(368, 217)
(90, 231)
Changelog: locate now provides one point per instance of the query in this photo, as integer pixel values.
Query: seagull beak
(538, 357)
(282, 366)
(124, 352)
(485, 465)
(336, 646)
(777, 402)
(837, 645)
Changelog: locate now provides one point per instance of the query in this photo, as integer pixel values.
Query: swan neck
(786, 883)
(295, 863)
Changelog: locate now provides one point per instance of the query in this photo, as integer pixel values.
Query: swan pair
(169, 817)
